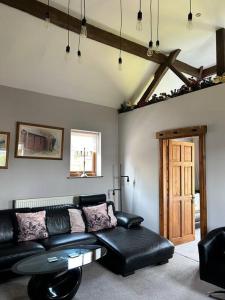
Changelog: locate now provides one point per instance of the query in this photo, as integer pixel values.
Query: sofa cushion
(6, 226)
(131, 249)
(11, 253)
(69, 239)
(76, 220)
(32, 226)
(97, 217)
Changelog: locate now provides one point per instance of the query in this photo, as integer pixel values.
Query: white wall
(33, 178)
(139, 153)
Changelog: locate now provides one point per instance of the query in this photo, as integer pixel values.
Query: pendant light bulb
(68, 49)
(47, 17)
(139, 21)
(157, 50)
(190, 17)
(79, 56)
(190, 21)
(120, 62)
(150, 50)
(83, 31)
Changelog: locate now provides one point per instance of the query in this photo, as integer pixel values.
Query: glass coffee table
(57, 274)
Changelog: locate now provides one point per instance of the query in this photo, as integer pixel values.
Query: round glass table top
(59, 260)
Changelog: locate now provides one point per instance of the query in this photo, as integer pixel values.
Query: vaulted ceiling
(32, 56)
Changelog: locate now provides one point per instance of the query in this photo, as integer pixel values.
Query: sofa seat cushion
(135, 248)
(11, 253)
(68, 239)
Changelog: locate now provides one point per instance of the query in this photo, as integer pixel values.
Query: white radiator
(42, 202)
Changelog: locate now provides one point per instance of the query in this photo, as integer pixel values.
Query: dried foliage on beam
(196, 85)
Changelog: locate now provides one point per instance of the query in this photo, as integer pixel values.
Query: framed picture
(39, 141)
(4, 149)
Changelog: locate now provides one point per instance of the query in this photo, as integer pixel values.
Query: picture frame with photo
(39, 141)
(4, 149)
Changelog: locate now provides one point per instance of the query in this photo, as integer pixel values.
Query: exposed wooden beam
(220, 54)
(220, 51)
(160, 72)
(180, 75)
(182, 132)
(209, 71)
(185, 68)
(59, 18)
(201, 72)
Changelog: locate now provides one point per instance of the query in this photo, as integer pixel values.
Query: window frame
(96, 170)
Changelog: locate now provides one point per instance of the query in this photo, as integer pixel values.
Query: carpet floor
(177, 280)
(190, 250)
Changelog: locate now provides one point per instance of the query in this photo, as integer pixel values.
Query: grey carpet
(190, 250)
(177, 280)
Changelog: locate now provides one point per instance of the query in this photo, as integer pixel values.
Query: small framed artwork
(39, 141)
(4, 149)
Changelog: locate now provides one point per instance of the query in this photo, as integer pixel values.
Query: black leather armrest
(213, 245)
(128, 220)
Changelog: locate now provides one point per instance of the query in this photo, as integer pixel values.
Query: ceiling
(33, 56)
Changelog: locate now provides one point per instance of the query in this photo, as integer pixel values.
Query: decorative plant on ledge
(184, 89)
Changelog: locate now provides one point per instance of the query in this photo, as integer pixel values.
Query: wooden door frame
(163, 137)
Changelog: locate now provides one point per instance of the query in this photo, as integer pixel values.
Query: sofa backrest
(6, 226)
(57, 221)
(57, 218)
(91, 200)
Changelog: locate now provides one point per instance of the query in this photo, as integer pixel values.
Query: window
(85, 153)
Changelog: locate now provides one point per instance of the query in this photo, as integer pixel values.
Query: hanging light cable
(150, 51)
(68, 28)
(139, 18)
(120, 61)
(83, 32)
(157, 42)
(81, 14)
(190, 17)
(47, 14)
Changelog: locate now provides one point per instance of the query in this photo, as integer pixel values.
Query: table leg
(55, 286)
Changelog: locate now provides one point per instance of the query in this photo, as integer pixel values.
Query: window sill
(79, 177)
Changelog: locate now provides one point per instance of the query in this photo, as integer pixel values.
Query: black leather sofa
(130, 246)
(212, 257)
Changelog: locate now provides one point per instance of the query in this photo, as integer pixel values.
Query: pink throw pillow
(97, 217)
(31, 226)
(113, 219)
(76, 220)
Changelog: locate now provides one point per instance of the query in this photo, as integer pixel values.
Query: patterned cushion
(97, 217)
(76, 220)
(113, 219)
(31, 226)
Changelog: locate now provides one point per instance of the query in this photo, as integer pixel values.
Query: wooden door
(181, 184)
